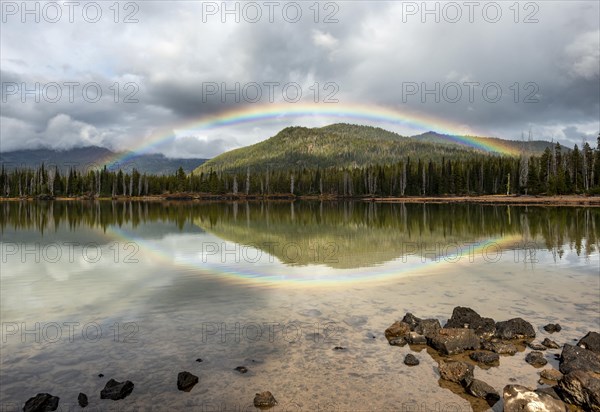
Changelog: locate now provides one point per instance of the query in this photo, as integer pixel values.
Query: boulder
(411, 360)
(487, 358)
(456, 371)
(467, 318)
(116, 390)
(499, 347)
(576, 358)
(82, 399)
(591, 341)
(480, 389)
(186, 381)
(41, 402)
(581, 388)
(397, 342)
(428, 327)
(519, 398)
(264, 400)
(552, 327)
(411, 320)
(449, 341)
(397, 330)
(536, 359)
(516, 328)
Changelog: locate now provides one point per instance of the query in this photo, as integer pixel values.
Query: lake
(144, 290)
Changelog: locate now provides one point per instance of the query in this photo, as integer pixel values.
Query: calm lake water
(141, 290)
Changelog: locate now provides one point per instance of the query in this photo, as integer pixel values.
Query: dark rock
(519, 398)
(581, 388)
(497, 346)
(450, 341)
(516, 328)
(397, 342)
(487, 358)
(456, 371)
(100, 375)
(411, 360)
(82, 399)
(551, 374)
(414, 338)
(186, 381)
(536, 359)
(411, 320)
(264, 400)
(397, 330)
(241, 369)
(536, 346)
(591, 341)
(339, 348)
(576, 358)
(41, 402)
(199, 360)
(428, 327)
(548, 390)
(467, 318)
(552, 327)
(480, 389)
(116, 390)
(549, 343)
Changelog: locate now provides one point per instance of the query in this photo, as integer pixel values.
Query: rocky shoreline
(465, 343)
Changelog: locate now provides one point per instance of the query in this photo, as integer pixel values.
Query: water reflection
(340, 235)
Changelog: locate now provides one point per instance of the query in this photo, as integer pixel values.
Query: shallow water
(139, 291)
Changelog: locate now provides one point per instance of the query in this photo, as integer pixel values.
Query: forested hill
(343, 145)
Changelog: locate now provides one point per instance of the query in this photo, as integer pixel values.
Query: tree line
(555, 171)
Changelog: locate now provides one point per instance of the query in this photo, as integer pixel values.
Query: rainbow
(355, 113)
(281, 274)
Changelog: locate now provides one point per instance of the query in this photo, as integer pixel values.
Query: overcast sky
(169, 61)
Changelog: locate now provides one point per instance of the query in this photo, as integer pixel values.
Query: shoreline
(514, 200)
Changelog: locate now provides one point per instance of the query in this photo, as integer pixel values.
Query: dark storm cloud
(371, 54)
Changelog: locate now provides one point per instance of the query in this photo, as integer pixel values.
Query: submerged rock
(536, 359)
(581, 388)
(186, 381)
(41, 402)
(487, 358)
(463, 317)
(411, 360)
(82, 399)
(456, 371)
(576, 358)
(480, 389)
(519, 398)
(116, 390)
(450, 341)
(552, 327)
(497, 346)
(551, 374)
(536, 346)
(264, 400)
(516, 328)
(591, 341)
(550, 344)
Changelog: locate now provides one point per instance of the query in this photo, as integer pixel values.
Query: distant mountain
(345, 145)
(92, 156)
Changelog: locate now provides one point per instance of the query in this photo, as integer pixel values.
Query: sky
(179, 77)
